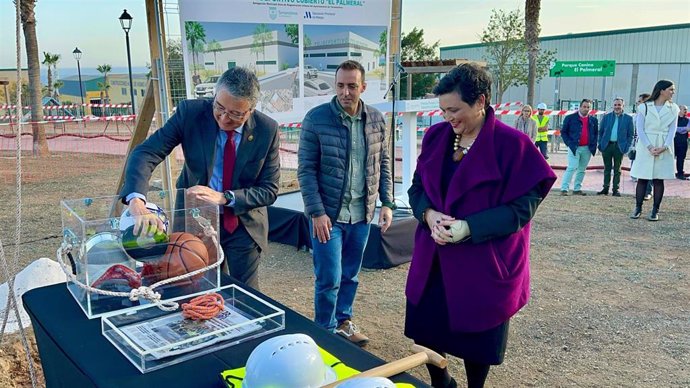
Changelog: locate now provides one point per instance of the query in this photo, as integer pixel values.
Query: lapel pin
(250, 138)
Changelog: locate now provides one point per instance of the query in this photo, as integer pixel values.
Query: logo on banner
(272, 13)
(307, 15)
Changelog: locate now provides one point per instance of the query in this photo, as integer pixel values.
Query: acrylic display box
(105, 252)
(151, 338)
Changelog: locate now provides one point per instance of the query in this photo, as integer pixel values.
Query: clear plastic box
(152, 339)
(102, 251)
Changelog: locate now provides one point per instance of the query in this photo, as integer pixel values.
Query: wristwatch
(229, 197)
(390, 205)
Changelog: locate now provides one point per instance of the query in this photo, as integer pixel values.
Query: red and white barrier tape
(506, 104)
(52, 119)
(547, 112)
(71, 106)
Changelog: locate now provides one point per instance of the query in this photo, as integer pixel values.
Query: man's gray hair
(619, 99)
(241, 83)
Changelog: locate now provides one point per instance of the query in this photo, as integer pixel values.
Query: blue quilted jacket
(324, 157)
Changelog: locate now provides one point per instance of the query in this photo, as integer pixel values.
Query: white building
(272, 54)
(643, 56)
(327, 52)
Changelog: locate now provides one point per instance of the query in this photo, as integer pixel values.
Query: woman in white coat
(656, 126)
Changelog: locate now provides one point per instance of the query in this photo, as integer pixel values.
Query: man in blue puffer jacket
(344, 164)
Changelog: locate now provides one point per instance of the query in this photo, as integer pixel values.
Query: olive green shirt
(353, 207)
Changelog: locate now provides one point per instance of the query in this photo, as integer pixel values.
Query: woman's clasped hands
(444, 228)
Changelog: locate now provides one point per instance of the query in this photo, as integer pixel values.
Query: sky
(93, 25)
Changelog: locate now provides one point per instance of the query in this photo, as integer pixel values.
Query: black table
(74, 353)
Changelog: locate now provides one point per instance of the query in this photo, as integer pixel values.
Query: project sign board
(583, 68)
(293, 46)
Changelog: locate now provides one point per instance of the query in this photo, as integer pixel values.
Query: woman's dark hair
(468, 80)
(660, 85)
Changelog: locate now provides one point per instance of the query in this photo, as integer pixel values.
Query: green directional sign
(583, 68)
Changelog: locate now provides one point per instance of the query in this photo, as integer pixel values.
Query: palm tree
(214, 47)
(261, 36)
(104, 86)
(50, 60)
(28, 16)
(56, 89)
(196, 36)
(532, 40)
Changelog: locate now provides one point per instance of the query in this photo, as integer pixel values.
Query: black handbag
(632, 153)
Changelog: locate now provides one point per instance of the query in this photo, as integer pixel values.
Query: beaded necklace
(459, 151)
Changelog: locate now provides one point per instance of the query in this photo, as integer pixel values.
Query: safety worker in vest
(542, 129)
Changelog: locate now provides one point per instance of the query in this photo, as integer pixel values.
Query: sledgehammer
(422, 356)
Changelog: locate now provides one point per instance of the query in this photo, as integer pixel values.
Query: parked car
(317, 88)
(206, 89)
(310, 72)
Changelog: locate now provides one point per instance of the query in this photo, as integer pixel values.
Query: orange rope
(203, 307)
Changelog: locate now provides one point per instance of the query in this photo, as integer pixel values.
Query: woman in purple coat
(477, 185)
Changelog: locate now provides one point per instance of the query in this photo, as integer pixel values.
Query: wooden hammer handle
(390, 369)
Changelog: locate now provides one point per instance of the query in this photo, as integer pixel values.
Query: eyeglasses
(230, 113)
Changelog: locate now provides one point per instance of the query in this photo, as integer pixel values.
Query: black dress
(428, 322)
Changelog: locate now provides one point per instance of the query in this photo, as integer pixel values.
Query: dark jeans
(613, 157)
(680, 143)
(542, 147)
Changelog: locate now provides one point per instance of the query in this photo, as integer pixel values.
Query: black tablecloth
(386, 250)
(74, 353)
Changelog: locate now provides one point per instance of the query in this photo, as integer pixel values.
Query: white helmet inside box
(287, 361)
(541, 106)
(367, 382)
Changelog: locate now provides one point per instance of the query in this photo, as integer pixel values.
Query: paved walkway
(594, 178)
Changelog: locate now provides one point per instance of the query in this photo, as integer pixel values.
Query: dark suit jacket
(572, 129)
(625, 131)
(257, 167)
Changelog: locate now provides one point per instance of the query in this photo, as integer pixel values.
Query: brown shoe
(350, 331)
(579, 192)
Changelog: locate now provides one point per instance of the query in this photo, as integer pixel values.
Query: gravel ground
(609, 300)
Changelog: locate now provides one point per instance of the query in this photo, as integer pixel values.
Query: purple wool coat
(485, 283)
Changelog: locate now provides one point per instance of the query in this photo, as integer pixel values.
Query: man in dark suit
(579, 133)
(615, 137)
(231, 159)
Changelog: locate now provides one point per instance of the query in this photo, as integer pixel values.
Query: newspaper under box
(106, 257)
(151, 338)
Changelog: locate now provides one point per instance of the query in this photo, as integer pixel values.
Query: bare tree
(532, 30)
(506, 51)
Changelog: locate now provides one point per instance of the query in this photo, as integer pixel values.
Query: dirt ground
(609, 303)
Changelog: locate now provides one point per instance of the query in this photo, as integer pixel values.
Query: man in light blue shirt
(615, 138)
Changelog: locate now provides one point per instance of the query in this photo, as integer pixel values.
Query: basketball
(185, 253)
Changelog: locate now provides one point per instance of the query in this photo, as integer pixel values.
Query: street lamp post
(77, 56)
(126, 23)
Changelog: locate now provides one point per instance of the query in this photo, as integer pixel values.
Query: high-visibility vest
(233, 377)
(541, 136)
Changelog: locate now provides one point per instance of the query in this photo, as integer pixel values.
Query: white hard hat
(287, 361)
(367, 382)
(541, 106)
